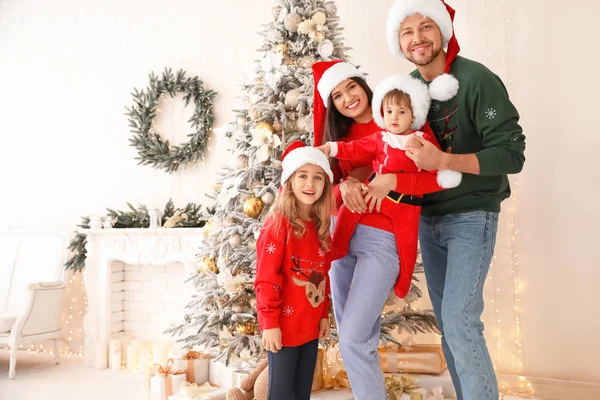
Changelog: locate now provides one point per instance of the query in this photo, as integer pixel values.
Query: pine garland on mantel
(134, 217)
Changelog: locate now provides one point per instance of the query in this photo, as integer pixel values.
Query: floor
(38, 378)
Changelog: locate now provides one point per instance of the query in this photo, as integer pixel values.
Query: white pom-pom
(448, 179)
(444, 87)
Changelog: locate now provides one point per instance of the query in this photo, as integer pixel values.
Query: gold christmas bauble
(209, 264)
(253, 207)
(246, 328)
(264, 125)
(277, 126)
(241, 161)
(281, 48)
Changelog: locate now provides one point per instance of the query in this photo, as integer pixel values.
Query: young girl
(400, 106)
(292, 287)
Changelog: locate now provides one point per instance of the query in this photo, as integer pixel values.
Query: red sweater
(292, 285)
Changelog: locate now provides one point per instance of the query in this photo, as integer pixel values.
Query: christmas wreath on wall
(152, 149)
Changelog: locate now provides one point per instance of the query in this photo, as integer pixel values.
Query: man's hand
(352, 195)
(271, 339)
(326, 149)
(378, 190)
(427, 156)
(324, 328)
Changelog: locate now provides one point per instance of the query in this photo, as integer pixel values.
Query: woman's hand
(271, 339)
(378, 190)
(326, 149)
(324, 328)
(352, 194)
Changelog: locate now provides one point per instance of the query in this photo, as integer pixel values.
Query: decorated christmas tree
(279, 111)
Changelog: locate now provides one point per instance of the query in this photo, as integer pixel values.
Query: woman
(361, 281)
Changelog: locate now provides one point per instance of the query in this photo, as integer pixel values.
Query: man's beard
(428, 60)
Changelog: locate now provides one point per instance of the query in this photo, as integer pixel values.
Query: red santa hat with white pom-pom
(445, 86)
(328, 75)
(298, 155)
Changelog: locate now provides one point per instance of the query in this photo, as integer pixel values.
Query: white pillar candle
(133, 352)
(114, 351)
(145, 358)
(161, 350)
(100, 361)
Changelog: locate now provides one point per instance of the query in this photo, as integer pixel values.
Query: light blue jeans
(457, 251)
(360, 285)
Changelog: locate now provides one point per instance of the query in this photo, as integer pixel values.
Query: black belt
(401, 198)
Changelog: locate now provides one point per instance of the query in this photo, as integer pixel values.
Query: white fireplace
(135, 281)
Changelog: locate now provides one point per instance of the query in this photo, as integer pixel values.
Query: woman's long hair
(286, 206)
(337, 125)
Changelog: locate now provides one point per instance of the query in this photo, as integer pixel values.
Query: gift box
(418, 359)
(195, 364)
(404, 388)
(162, 380)
(431, 383)
(193, 391)
(227, 376)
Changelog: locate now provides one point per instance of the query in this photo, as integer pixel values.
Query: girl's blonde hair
(286, 206)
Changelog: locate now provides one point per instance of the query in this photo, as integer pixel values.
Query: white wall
(67, 69)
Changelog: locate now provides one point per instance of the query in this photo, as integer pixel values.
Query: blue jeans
(360, 285)
(457, 251)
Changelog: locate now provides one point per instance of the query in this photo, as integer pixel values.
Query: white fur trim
(401, 9)
(398, 141)
(333, 149)
(301, 156)
(444, 87)
(417, 90)
(335, 75)
(448, 179)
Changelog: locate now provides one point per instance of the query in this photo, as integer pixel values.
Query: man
(477, 127)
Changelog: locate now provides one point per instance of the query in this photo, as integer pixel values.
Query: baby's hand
(413, 142)
(326, 149)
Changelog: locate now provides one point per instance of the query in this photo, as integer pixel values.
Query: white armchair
(32, 289)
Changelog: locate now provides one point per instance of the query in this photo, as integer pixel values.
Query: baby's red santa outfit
(387, 151)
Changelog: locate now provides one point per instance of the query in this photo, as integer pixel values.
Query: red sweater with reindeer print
(292, 282)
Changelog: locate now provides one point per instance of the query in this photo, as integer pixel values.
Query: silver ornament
(268, 198)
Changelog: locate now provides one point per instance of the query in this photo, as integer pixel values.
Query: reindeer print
(314, 285)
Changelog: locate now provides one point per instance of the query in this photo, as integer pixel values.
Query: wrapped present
(227, 376)
(437, 393)
(193, 391)
(162, 380)
(418, 359)
(403, 388)
(317, 383)
(195, 364)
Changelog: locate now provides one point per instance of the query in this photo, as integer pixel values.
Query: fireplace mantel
(155, 247)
